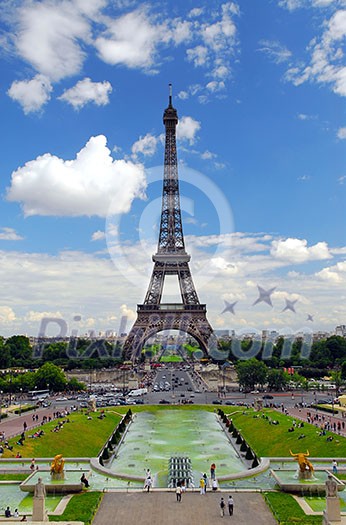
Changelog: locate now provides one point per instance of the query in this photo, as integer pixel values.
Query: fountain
(306, 479)
(55, 481)
(57, 468)
(306, 470)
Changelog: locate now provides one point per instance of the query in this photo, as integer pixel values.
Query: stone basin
(288, 481)
(71, 482)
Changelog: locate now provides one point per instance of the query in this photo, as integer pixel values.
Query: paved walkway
(158, 508)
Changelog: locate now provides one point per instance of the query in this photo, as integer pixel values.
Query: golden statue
(57, 465)
(305, 467)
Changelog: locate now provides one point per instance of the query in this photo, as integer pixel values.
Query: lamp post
(20, 402)
(1, 392)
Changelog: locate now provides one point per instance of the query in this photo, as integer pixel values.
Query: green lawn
(287, 511)
(13, 477)
(81, 507)
(83, 437)
(79, 437)
(318, 504)
(278, 441)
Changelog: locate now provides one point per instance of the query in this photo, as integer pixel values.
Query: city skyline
(260, 94)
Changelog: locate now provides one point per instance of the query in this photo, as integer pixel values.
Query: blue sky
(260, 91)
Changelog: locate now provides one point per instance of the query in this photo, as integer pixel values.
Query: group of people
(230, 505)
(8, 514)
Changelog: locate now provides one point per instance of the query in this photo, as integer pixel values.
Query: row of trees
(47, 376)
(16, 351)
(253, 373)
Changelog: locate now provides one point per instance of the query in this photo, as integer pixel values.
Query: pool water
(154, 437)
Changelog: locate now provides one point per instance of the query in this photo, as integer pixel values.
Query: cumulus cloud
(9, 234)
(55, 38)
(187, 129)
(341, 134)
(145, 145)
(131, 39)
(326, 64)
(86, 91)
(31, 94)
(48, 36)
(298, 251)
(7, 315)
(98, 235)
(197, 55)
(334, 274)
(86, 185)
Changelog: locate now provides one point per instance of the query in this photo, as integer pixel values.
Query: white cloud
(9, 234)
(98, 235)
(291, 5)
(34, 316)
(7, 315)
(31, 94)
(341, 134)
(34, 283)
(198, 55)
(214, 86)
(275, 51)
(342, 179)
(86, 185)
(128, 312)
(187, 129)
(334, 274)
(304, 116)
(131, 40)
(145, 145)
(297, 250)
(195, 12)
(326, 65)
(48, 36)
(206, 155)
(86, 91)
(183, 95)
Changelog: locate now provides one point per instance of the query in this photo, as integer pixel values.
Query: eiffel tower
(153, 316)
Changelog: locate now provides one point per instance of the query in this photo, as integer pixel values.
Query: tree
(19, 348)
(343, 370)
(5, 354)
(336, 377)
(52, 375)
(75, 385)
(251, 372)
(277, 379)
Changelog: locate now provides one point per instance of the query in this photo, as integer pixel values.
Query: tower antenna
(170, 93)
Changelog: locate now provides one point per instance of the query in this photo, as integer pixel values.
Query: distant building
(341, 330)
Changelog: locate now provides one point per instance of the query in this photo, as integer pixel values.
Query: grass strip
(81, 507)
(287, 511)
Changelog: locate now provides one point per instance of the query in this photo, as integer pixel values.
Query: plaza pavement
(161, 508)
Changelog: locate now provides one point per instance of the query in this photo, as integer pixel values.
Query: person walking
(230, 503)
(148, 483)
(212, 471)
(222, 507)
(178, 492)
(335, 467)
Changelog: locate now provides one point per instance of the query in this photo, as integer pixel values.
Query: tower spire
(170, 95)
